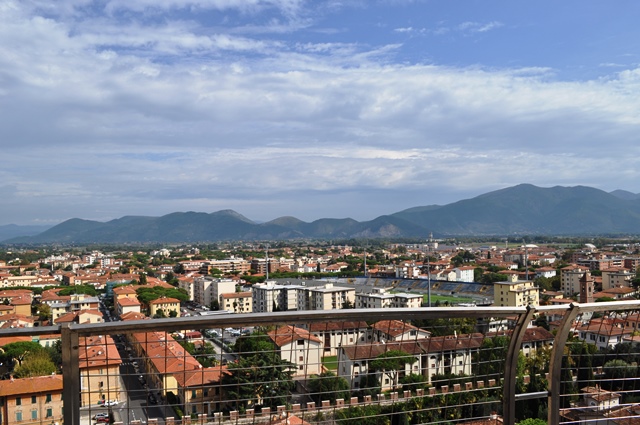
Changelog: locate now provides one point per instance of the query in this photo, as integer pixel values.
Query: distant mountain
(522, 209)
(625, 194)
(9, 231)
(527, 209)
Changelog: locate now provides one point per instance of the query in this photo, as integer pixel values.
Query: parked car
(100, 417)
(110, 402)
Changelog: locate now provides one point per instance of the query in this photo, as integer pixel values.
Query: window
(34, 414)
(48, 400)
(33, 399)
(301, 358)
(193, 393)
(301, 342)
(18, 416)
(49, 412)
(19, 402)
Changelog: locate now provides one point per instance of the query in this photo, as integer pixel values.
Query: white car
(111, 402)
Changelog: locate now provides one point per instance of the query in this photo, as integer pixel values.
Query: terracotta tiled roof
(200, 377)
(165, 300)
(287, 334)
(98, 351)
(393, 328)
(128, 302)
(337, 326)
(38, 384)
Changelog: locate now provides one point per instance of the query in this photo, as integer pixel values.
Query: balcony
(382, 366)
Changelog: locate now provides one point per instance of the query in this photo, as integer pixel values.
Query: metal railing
(427, 365)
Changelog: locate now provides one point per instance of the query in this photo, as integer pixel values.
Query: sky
(309, 108)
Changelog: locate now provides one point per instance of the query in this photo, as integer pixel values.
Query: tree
(328, 386)
(44, 311)
(532, 421)
(413, 381)
(36, 363)
(18, 351)
(262, 379)
(390, 363)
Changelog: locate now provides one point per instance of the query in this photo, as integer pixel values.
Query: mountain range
(519, 210)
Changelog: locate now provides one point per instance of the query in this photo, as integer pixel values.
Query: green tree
(262, 379)
(18, 351)
(413, 381)
(532, 421)
(36, 363)
(328, 386)
(391, 362)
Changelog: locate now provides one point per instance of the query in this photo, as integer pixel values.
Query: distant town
(52, 286)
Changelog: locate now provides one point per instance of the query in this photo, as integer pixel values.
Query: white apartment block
(464, 274)
(207, 289)
(327, 297)
(379, 298)
(269, 296)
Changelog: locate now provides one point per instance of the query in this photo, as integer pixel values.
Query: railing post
(70, 375)
(555, 366)
(511, 365)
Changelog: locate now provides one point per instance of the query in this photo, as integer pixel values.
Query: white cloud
(168, 114)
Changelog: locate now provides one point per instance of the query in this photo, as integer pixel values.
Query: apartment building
(570, 279)
(226, 266)
(380, 298)
(616, 278)
(207, 289)
(326, 297)
(300, 347)
(237, 302)
(337, 334)
(35, 400)
(164, 306)
(269, 296)
(520, 293)
(99, 370)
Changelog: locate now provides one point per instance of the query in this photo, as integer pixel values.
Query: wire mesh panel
(599, 375)
(414, 370)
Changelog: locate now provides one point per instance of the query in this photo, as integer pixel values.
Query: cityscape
(227, 332)
(319, 212)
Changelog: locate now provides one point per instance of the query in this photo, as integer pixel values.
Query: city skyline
(310, 109)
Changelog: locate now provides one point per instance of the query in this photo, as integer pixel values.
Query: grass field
(330, 362)
(446, 298)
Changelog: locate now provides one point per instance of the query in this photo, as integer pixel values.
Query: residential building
(326, 297)
(380, 298)
(520, 293)
(237, 302)
(208, 289)
(570, 279)
(603, 333)
(337, 334)
(164, 306)
(616, 278)
(396, 330)
(35, 400)
(300, 347)
(269, 296)
(99, 370)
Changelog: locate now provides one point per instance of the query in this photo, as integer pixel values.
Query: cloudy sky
(309, 108)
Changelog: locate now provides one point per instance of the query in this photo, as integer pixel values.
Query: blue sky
(312, 109)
